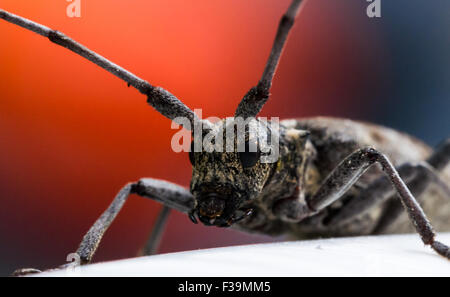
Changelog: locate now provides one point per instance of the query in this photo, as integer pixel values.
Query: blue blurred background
(415, 95)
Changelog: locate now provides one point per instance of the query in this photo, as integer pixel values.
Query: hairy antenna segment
(160, 99)
(257, 96)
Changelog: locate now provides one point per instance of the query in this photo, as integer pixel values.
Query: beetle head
(230, 170)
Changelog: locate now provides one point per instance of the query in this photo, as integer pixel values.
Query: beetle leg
(440, 160)
(169, 194)
(441, 157)
(344, 176)
(152, 244)
(348, 172)
(417, 176)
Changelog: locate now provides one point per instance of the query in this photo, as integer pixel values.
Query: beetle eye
(248, 159)
(191, 154)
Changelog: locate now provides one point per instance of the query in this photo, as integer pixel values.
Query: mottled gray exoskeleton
(324, 182)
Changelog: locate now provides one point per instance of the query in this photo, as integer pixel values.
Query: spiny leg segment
(154, 240)
(416, 176)
(169, 194)
(343, 177)
(346, 174)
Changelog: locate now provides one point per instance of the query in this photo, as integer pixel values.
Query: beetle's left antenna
(163, 101)
(257, 96)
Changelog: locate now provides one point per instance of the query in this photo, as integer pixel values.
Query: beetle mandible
(324, 182)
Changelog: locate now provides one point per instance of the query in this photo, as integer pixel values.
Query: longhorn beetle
(324, 182)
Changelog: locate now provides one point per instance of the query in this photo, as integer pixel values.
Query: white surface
(399, 255)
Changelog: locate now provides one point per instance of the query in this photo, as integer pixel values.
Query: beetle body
(330, 141)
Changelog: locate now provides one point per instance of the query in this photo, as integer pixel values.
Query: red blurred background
(72, 134)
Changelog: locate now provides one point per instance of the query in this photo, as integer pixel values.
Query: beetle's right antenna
(256, 97)
(160, 99)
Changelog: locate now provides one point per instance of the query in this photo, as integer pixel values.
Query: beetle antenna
(257, 96)
(160, 99)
